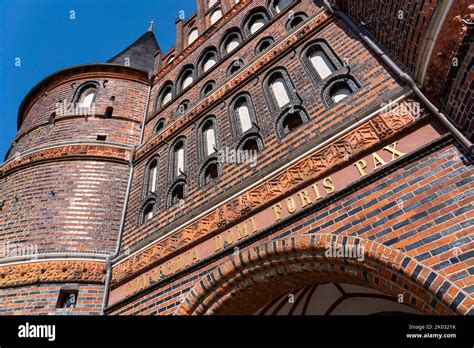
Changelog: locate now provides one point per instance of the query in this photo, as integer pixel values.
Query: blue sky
(42, 35)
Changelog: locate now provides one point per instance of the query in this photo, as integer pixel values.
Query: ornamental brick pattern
(396, 183)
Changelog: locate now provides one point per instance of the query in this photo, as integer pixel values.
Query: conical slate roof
(140, 54)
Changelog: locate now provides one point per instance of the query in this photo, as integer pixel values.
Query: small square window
(101, 137)
(67, 298)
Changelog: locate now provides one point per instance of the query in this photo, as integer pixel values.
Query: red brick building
(284, 157)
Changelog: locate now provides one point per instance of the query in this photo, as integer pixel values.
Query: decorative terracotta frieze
(52, 271)
(68, 151)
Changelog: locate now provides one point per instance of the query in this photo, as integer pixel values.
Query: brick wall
(376, 86)
(423, 208)
(125, 95)
(41, 299)
(82, 215)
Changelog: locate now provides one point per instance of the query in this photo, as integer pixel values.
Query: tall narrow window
(178, 159)
(216, 15)
(244, 116)
(152, 176)
(280, 91)
(321, 63)
(255, 20)
(193, 35)
(208, 138)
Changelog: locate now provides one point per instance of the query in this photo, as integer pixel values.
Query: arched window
(252, 142)
(264, 44)
(340, 92)
(211, 3)
(207, 137)
(170, 59)
(280, 5)
(182, 108)
(208, 88)
(87, 97)
(295, 21)
(178, 159)
(177, 192)
(165, 95)
(147, 211)
(338, 89)
(186, 78)
(231, 41)
(160, 124)
(279, 91)
(215, 16)
(208, 60)
(242, 112)
(320, 61)
(255, 21)
(152, 176)
(234, 67)
(291, 119)
(210, 172)
(86, 94)
(193, 35)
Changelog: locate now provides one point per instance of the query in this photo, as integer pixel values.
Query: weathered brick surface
(82, 215)
(41, 299)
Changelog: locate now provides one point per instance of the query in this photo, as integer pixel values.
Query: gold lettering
(291, 205)
(241, 230)
(360, 167)
(316, 191)
(218, 243)
(378, 161)
(327, 183)
(277, 209)
(392, 149)
(230, 237)
(305, 199)
(254, 224)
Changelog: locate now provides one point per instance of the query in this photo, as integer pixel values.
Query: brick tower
(284, 157)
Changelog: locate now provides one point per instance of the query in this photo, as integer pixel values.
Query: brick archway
(246, 281)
